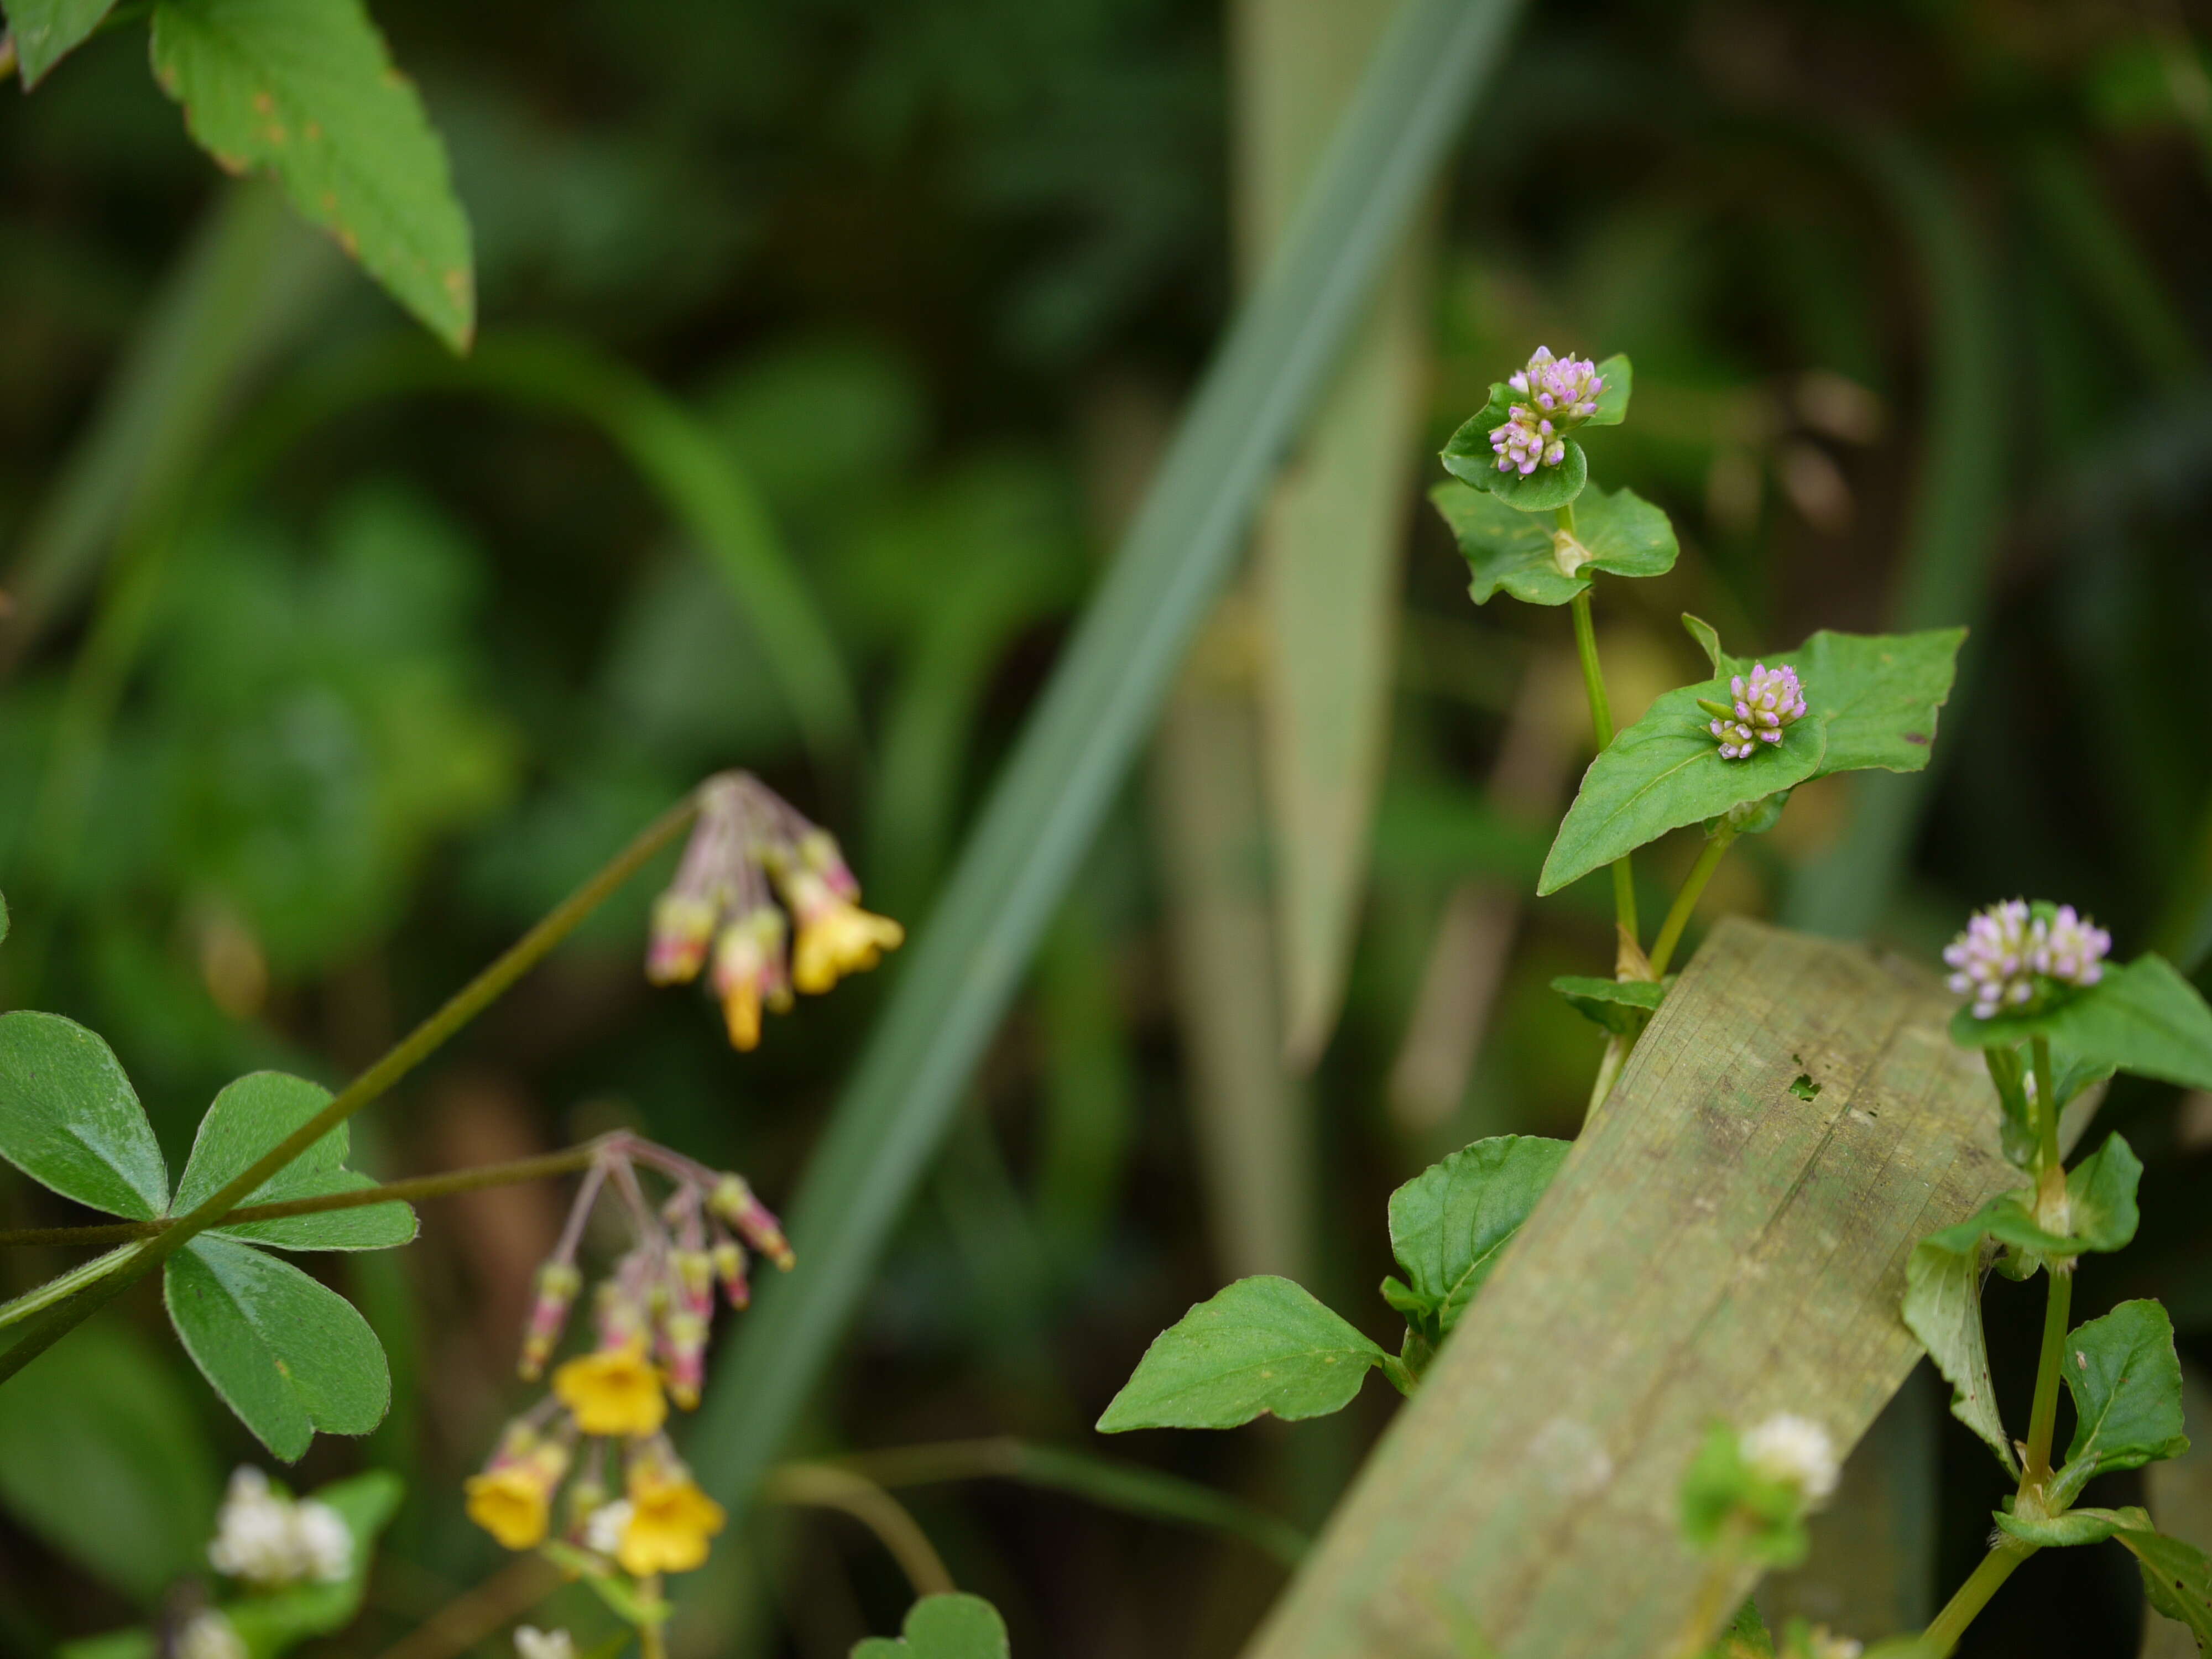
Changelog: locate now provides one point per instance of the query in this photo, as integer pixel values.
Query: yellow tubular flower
(741, 1011)
(615, 1391)
(511, 1502)
(670, 1521)
(836, 939)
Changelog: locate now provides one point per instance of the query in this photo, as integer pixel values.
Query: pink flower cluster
(1767, 704)
(2012, 954)
(1562, 393)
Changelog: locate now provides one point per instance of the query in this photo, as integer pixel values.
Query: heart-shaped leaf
(2178, 1579)
(2074, 1528)
(2143, 1017)
(2126, 1383)
(70, 1120)
(1449, 1224)
(288, 1355)
(1944, 1309)
(1263, 1345)
(249, 1117)
(1666, 771)
(1538, 563)
(1622, 1007)
(947, 1626)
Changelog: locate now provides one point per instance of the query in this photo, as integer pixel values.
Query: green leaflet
(104, 1455)
(2126, 1383)
(1449, 1224)
(70, 1121)
(306, 89)
(2074, 1526)
(246, 1120)
(2178, 1579)
(1264, 1345)
(942, 1627)
(1509, 549)
(2142, 1017)
(1622, 1007)
(1944, 1309)
(287, 1354)
(47, 31)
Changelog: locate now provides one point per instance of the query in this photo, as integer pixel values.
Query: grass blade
(1076, 749)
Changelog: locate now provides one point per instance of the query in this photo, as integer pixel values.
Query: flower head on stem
(1765, 704)
(2016, 957)
(270, 1540)
(1559, 394)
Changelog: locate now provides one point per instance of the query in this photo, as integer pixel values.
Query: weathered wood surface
(1715, 1247)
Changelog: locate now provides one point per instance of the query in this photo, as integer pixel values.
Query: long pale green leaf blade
(1077, 745)
(306, 89)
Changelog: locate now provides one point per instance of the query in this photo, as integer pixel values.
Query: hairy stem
(2045, 1417)
(50, 1326)
(567, 1162)
(1942, 1635)
(1601, 708)
(1693, 887)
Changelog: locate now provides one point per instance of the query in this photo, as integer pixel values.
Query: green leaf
(1721, 1491)
(288, 1355)
(1944, 1309)
(1449, 1224)
(1620, 533)
(70, 1120)
(1622, 1007)
(2178, 1580)
(3, 918)
(2142, 1017)
(1664, 772)
(2074, 1526)
(103, 1456)
(947, 1626)
(275, 1623)
(2101, 1196)
(1709, 641)
(1879, 693)
(47, 31)
(306, 89)
(1745, 1637)
(1504, 548)
(1545, 490)
(250, 1116)
(1619, 378)
(2016, 1132)
(2126, 1383)
(1263, 1345)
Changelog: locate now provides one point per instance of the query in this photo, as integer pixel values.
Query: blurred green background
(330, 664)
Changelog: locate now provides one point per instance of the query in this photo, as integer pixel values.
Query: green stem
(2047, 1114)
(50, 1326)
(1693, 887)
(2045, 1417)
(1601, 708)
(419, 1187)
(1942, 1636)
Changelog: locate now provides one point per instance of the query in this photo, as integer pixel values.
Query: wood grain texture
(1715, 1247)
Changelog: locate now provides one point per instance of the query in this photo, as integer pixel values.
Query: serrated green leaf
(306, 89)
(246, 1119)
(1619, 377)
(47, 31)
(276, 1622)
(70, 1121)
(2178, 1579)
(1622, 1007)
(2126, 1383)
(2074, 1528)
(1449, 1224)
(2143, 1017)
(1264, 1345)
(1664, 772)
(288, 1355)
(945, 1627)
(104, 1457)
(1944, 1309)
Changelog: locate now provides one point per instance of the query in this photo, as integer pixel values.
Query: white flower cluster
(604, 1531)
(530, 1642)
(268, 1539)
(208, 1635)
(1794, 1451)
(2008, 950)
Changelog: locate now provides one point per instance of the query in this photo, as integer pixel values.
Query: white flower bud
(1794, 1451)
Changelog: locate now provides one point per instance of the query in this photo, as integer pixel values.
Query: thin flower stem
(55, 1322)
(2045, 1419)
(652, 1644)
(1693, 887)
(825, 1485)
(567, 1162)
(1601, 708)
(2051, 1178)
(1942, 1635)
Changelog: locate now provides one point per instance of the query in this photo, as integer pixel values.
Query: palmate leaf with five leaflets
(1264, 1345)
(945, 1626)
(1872, 700)
(2142, 1017)
(306, 89)
(1511, 550)
(1449, 1224)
